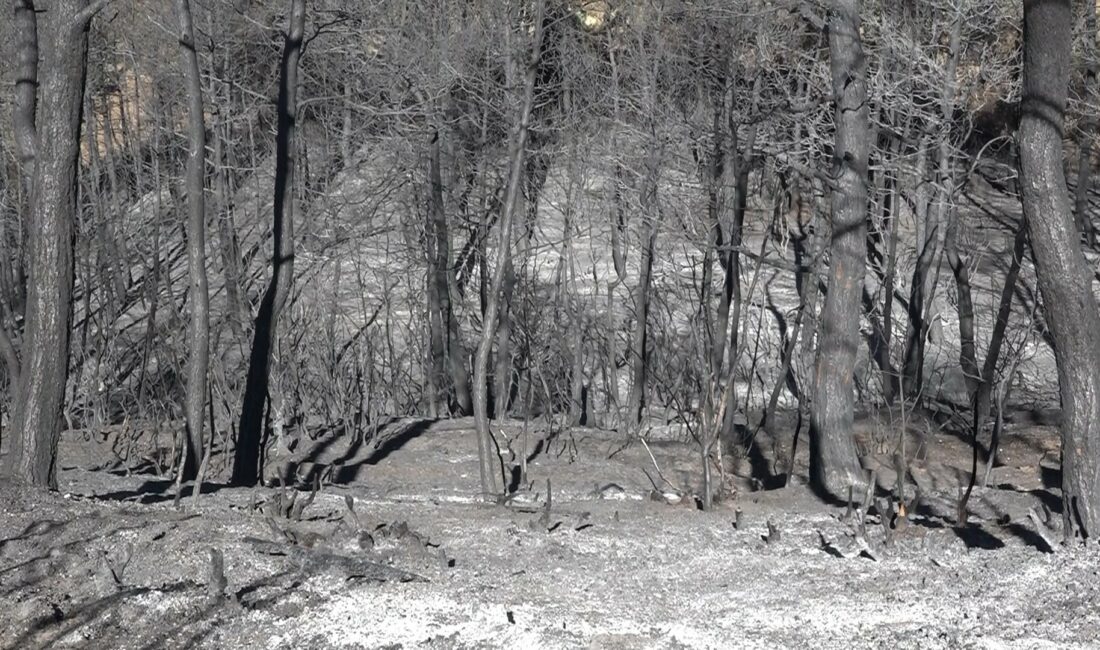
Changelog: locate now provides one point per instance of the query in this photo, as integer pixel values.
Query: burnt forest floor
(396, 551)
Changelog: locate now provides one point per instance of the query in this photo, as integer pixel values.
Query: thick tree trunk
(63, 42)
(198, 330)
(517, 153)
(250, 441)
(834, 463)
(1063, 276)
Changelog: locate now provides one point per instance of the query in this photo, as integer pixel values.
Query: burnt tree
(247, 461)
(198, 330)
(834, 463)
(1064, 278)
(517, 152)
(57, 34)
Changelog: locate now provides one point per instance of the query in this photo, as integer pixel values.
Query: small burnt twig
(657, 468)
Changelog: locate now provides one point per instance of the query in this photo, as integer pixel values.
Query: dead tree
(834, 463)
(198, 331)
(639, 353)
(517, 152)
(1064, 279)
(250, 440)
(58, 37)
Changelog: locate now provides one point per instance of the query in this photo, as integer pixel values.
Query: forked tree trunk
(198, 330)
(1063, 276)
(250, 441)
(517, 152)
(62, 40)
(912, 371)
(983, 395)
(834, 463)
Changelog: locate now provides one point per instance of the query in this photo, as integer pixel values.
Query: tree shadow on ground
(157, 491)
(387, 440)
(189, 628)
(976, 536)
(63, 623)
(981, 535)
(34, 529)
(52, 554)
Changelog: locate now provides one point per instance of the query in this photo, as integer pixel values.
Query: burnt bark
(62, 45)
(25, 25)
(448, 366)
(983, 395)
(198, 330)
(247, 461)
(517, 153)
(916, 333)
(228, 243)
(739, 160)
(1064, 280)
(436, 283)
(834, 462)
(639, 346)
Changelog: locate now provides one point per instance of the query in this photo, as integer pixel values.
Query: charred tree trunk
(437, 289)
(25, 25)
(928, 237)
(62, 39)
(228, 244)
(198, 330)
(892, 385)
(729, 306)
(448, 365)
(983, 394)
(617, 215)
(578, 406)
(834, 463)
(968, 354)
(517, 153)
(1063, 276)
(250, 441)
(639, 347)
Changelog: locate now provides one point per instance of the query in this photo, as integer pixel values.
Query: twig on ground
(657, 467)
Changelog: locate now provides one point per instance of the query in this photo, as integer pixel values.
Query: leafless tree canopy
(235, 226)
